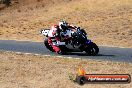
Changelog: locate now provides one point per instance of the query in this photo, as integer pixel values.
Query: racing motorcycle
(78, 42)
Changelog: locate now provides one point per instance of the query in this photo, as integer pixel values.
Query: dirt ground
(108, 22)
(36, 71)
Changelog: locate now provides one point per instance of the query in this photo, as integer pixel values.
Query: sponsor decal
(82, 78)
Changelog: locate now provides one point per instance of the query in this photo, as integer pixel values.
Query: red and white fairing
(52, 31)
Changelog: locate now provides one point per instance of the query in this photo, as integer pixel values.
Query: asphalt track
(106, 53)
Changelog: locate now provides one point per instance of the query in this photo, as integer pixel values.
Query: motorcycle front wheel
(92, 49)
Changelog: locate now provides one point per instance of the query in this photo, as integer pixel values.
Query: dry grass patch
(31, 71)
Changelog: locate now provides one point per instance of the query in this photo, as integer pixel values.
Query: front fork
(88, 41)
(86, 45)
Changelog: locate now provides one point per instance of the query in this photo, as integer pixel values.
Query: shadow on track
(85, 54)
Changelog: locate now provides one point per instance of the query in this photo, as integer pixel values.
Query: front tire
(48, 46)
(92, 49)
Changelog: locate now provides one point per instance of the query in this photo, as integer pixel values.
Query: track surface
(106, 53)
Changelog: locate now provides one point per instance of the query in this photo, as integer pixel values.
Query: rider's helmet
(63, 25)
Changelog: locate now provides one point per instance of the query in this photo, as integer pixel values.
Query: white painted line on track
(39, 54)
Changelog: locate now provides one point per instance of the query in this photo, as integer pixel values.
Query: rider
(57, 33)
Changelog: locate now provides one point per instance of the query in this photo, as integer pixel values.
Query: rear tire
(92, 49)
(48, 46)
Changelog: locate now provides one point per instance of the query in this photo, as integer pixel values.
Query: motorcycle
(78, 42)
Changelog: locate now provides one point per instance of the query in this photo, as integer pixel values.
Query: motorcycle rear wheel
(48, 46)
